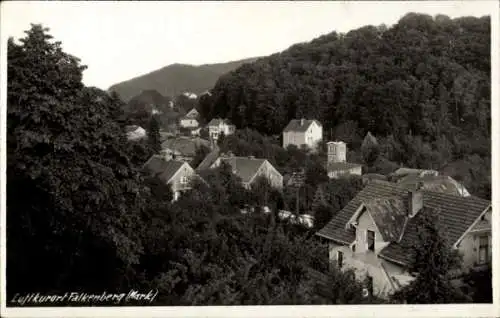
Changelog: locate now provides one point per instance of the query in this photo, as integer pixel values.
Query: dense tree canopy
(66, 151)
(423, 83)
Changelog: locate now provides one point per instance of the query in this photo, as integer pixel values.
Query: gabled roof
(410, 171)
(336, 166)
(444, 184)
(244, 167)
(209, 160)
(188, 118)
(389, 214)
(161, 168)
(193, 113)
(300, 125)
(458, 214)
(184, 145)
(219, 121)
(374, 176)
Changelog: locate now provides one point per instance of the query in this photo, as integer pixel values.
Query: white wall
(339, 173)
(185, 122)
(469, 246)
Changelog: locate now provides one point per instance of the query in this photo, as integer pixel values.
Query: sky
(122, 40)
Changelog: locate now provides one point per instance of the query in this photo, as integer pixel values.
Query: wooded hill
(422, 84)
(175, 79)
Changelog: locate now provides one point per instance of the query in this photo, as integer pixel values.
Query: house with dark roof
(248, 169)
(373, 234)
(337, 165)
(217, 126)
(301, 132)
(178, 174)
(209, 159)
(183, 148)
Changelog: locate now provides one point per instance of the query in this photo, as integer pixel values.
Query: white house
(303, 132)
(217, 126)
(337, 165)
(373, 234)
(135, 132)
(187, 122)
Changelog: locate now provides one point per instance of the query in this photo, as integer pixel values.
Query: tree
(154, 139)
(433, 264)
(81, 226)
(370, 154)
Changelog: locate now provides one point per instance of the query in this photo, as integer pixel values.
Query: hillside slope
(175, 79)
(422, 87)
(385, 79)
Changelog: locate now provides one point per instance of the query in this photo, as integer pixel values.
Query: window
(483, 249)
(340, 259)
(184, 180)
(369, 285)
(370, 238)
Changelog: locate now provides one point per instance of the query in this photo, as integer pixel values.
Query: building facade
(218, 126)
(300, 132)
(337, 165)
(250, 168)
(374, 232)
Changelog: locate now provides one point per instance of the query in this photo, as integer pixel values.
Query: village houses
(177, 174)
(218, 126)
(248, 169)
(336, 165)
(373, 234)
(301, 132)
(190, 120)
(182, 148)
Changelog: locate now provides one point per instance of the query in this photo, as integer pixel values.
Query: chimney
(415, 200)
(302, 121)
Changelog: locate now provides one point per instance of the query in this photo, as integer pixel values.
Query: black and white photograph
(249, 159)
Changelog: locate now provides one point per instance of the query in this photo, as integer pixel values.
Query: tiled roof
(374, 176)
(389, 214)
(209, 159)
(335, 166)
(295, 125)
(161, 168)
(444, 184)
(244, 167)
(219, 121)
(408, 171)
(186, 146)
(193, 113)
(458, 214)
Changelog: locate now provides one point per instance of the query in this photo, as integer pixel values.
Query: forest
(422, 87)
(95, 222)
